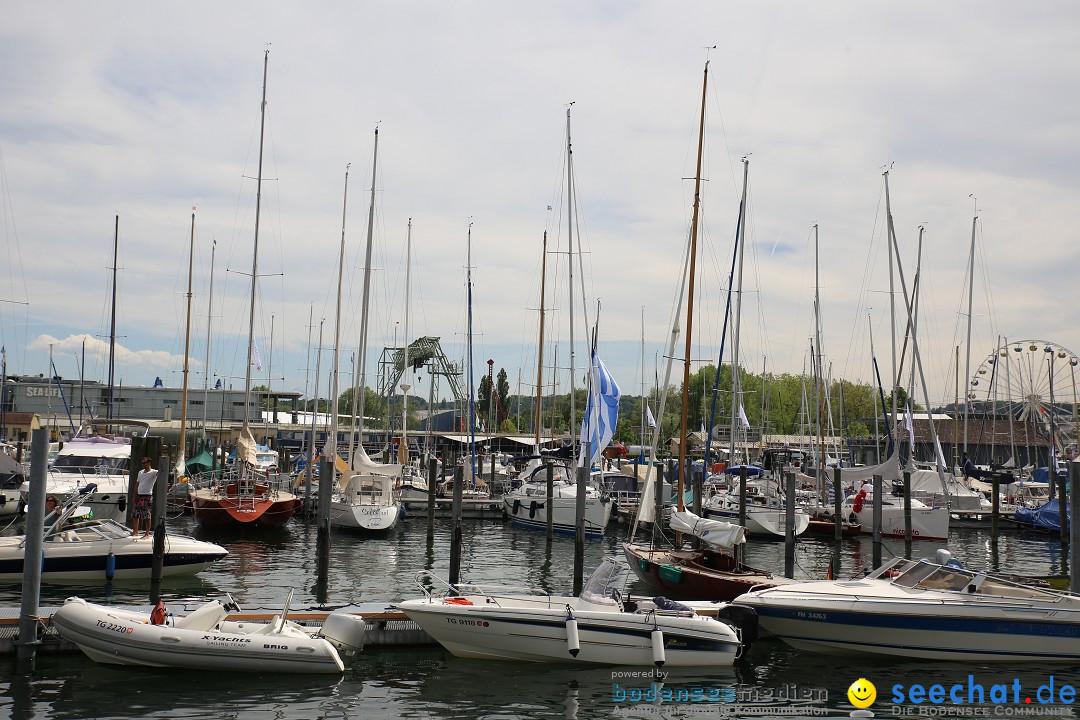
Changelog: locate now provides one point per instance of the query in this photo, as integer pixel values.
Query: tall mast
(180, 464)
(820, 365)
(330, 450)
(469, 353)
(967, 362)
(540, 347)
(112, 325)
(891, 238)
(255, 254)
(403, 449)
(359, 387)
(209, 325)
(690, 292)
(736, 332)
(570, 276)
(644, 405)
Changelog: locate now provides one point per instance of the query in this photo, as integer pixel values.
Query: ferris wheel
(1033, 380)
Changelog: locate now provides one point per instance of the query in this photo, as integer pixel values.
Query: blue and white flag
(601, 414)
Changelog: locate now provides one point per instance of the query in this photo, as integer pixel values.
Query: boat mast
(112, 325)
(971, 288)
(403, 449)
(469, 352)
(891, 238)
(255, 255)
(820, 366)
(209, 325)
(736, 333)
(330, 449)
(570, 276)
(690, 298)
(360, 384)
(181, 467)
(540, 348)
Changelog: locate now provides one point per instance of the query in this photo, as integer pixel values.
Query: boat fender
(110, 566)
(573, 642)
(532, 509)
(121, 503)
(402, 513)
(853, 519)
(517, 506)
(658, 656)
(457, 601)
(157, 615)
(857, 503)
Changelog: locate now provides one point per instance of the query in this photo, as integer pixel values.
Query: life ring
(157, 615)
(458, 601)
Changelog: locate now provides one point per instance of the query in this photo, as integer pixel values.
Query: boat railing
(427, 581)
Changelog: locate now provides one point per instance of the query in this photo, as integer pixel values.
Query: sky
(145, 111)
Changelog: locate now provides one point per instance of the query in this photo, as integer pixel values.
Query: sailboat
(527, 504)
(366, 498)
(707, 573)
(248, 496)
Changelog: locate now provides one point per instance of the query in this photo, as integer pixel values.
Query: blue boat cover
(1047, 517)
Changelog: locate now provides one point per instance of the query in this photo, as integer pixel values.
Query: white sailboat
(366, 498)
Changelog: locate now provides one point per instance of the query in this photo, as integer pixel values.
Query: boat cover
(1047, 517)
(714, 532)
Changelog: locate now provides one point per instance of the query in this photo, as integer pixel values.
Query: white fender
(573, 643)
(658, 655)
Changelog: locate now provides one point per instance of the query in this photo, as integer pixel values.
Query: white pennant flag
(649, 416)
(742, 418)
(255, 359)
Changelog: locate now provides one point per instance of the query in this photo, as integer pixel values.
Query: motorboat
(712, 572)
(924, 609)
(526, 505)
(927, 523)
(596, 627)
(207, 640)
(100, 458)
(12, 475)
(246, 496)
(766, 516)
(367, 498)
(80, 546)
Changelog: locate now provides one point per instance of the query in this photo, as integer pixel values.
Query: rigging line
(861, 305)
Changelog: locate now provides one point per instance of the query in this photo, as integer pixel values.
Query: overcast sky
(146, 110)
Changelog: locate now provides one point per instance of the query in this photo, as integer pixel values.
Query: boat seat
(208, 617)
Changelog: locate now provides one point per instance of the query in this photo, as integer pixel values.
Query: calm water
(426, 682)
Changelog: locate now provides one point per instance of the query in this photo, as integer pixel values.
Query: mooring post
(878, 499)
(838, 517)
(455, 523)
(432, 485)
(789, 530)
(28, 640)
(549, 498)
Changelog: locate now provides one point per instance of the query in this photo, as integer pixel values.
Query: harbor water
(772, 680)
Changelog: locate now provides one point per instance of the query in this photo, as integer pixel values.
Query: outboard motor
(745, 619)
(345, 632)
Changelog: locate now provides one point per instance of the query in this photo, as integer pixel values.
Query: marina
(401, 673)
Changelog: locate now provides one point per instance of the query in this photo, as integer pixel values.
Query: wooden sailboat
(706, 573)
(248, 496)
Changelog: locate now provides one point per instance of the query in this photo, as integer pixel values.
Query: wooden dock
(471, 508)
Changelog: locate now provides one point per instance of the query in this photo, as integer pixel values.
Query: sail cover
(246, 447)
(714, 532)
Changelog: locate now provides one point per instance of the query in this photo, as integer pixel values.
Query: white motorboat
(526, 505)
(78, 547)
(367, 499)
(91, 457)
(927, 523)
(766, 516)
(922, 609)
(597, 627)
(207, 640)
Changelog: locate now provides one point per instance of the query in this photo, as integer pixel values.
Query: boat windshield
(603, 585)
(83, 464)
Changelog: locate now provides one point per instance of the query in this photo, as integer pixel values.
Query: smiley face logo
(862, 693)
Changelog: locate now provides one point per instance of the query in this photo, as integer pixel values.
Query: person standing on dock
(145, 496)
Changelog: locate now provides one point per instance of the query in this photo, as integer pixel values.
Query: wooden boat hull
(227, 508)
(695, 575)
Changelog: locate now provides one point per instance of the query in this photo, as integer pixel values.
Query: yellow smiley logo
(862, 693)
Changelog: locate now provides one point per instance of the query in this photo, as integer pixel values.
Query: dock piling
(838, 515)
(28, 640)
(877, 520)
(789, 529)
(1074, 528)
(455, 524)
(433, 478)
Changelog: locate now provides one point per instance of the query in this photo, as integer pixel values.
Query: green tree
(502, 395)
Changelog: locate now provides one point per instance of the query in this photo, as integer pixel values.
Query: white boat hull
(537, 632)
(926, 523)
(372, 518)
(532, 512)
(118, 637)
